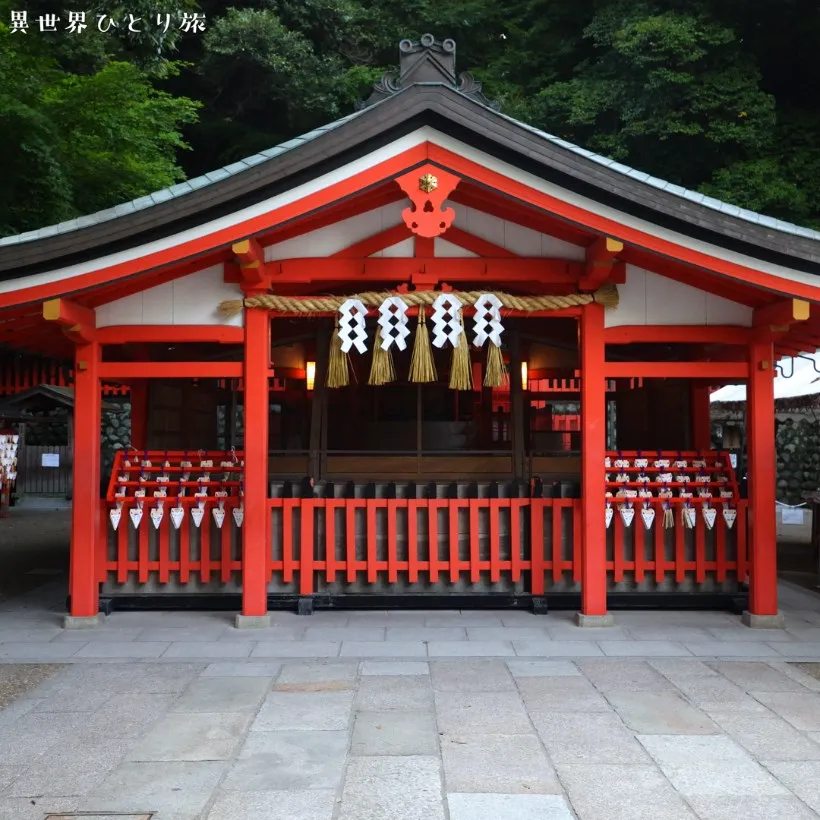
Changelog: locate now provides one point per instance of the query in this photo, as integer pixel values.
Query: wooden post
(516, 402)
(700, 414)
(762, 493)
(593, 475)
(139, 414)
(255, 547)
(318, 399)
(83, 586)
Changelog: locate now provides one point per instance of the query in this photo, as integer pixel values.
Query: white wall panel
(650, 299)
(189, 300)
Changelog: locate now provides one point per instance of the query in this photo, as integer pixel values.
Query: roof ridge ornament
(427, 61)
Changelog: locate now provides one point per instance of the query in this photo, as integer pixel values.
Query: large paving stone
(383, 649)
(321, 672)
(424, 633)
(660, 713)
(228, 669)
(503, 764)
(378, 734)
(757, 677)
(191, 737)
(345, 633)
(636, 676)
(289, 761)
(208, 649)
(562, 694)
(768, 738)
(69, 769)
(618, 792)
(33, 734)
(802, 710)
(483, 713)
(543, 669)
(676, 749)
(643, 649)
(394, 668)
(22, 808)
(757, 807)
(223, 695)
(176, 791)
(677, 669)
(296, 649)
(732, 649)
(191, 634)
(324, 711)
(471, 676)
(802, 777)
(508, 807)
(382, 693)
(507, 633)
(588, 738)
(392, 788)
(556, 649)
(716, 694)
(471, 648)
(125, 716)
(739, 778)
(110, 649)
(274, 805)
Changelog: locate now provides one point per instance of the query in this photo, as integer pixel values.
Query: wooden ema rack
(8, 467)
(642, 479)
(159, 482)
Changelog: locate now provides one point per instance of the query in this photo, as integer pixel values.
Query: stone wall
(798, 458)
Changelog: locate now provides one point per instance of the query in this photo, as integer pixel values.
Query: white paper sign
(792, 517)
(50, 460)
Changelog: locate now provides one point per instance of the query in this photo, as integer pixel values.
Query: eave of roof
(447, 109)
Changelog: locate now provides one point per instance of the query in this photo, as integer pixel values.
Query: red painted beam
(77, 322)
(557, 271)
(600, 260)
(680, 334)
(677, 370)
(179, 334)
(782, 314)
(170, 370)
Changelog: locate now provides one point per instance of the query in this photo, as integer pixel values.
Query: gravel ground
(17, 679)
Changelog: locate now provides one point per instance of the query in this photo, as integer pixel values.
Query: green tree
(80, 142)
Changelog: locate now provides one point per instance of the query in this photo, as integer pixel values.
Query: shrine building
(425, 355)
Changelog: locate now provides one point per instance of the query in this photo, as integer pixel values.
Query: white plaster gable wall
(333, 238)
(189, 300)
(336, 237)
(649, 299)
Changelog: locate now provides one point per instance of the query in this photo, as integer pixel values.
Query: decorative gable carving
(428, 187)
(427, 61)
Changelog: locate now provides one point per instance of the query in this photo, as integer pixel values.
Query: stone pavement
(413, 716)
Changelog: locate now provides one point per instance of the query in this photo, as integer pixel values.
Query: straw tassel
(422, 365)
(496, 374)
(381, 366)
(461, 371)
(337, 365)
(668, 518)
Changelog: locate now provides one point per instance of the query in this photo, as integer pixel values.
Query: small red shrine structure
(315, 342)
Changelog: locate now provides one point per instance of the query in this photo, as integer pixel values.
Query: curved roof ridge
(670, 187)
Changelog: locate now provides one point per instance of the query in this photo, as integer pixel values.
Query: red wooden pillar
(83, 585)
(700, 411)
(762, 489)
(255, 547)
(139, 413)
(593, 476)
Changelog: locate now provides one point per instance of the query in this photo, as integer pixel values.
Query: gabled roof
(425, 93)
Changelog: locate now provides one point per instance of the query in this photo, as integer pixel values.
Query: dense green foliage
(716, 95)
